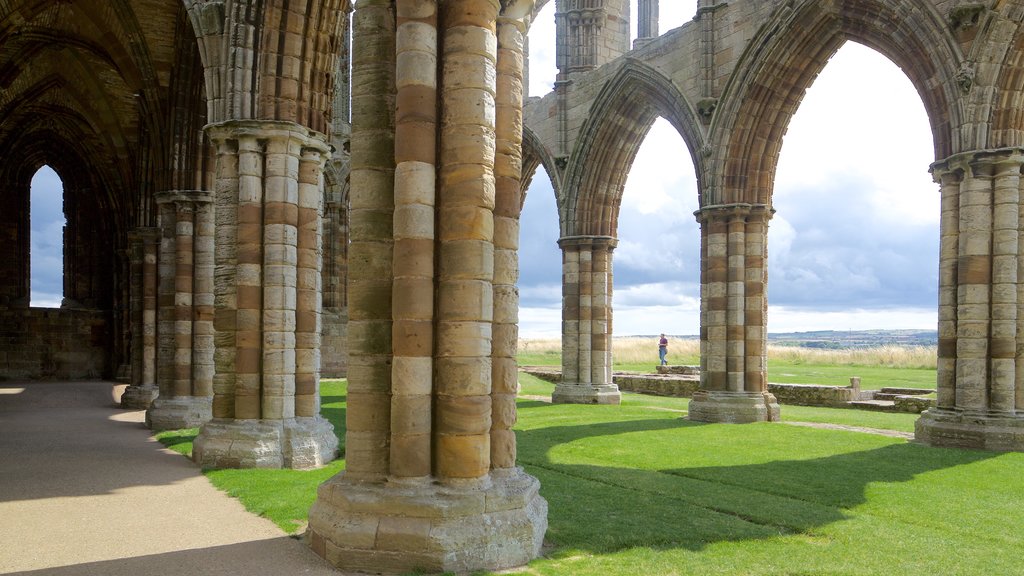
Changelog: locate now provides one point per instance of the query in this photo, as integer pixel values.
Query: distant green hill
(855, 338)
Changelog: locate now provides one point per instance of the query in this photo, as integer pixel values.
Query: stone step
(876, 405)
(886, 396)
(905, 391)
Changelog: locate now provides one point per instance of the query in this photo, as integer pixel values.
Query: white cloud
(853, 244)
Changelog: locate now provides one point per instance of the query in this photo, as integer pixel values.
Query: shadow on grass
(604, 509)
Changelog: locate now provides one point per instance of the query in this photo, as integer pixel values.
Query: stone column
(269, 187)
(646, 22)
(980, 400)
(733, 332)
(421, 491)
(142, 249)
(586, 322)
(508, 170)
(184, 307)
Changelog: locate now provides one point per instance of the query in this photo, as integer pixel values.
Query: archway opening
(854, 242)
(47, 225)
(540, 262)
(542, 67)
(657, 260)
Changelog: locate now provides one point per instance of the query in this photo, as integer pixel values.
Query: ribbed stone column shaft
(185, 336)
(755, 295)
(715, 295)
(143, 248)
(1005, 258)
(149, 307)
(166, 342)
(269, 194)
(415, 199)
(142, 276)
(466, 197)
(647, 19)
(184, 229)
(981, 304)
(949, 250)
(570, 313)
(601, 315)
(202, 297)
(736, 311)
(371, 251)
(280, 261)
(973, 292)
(734, 387)
(225, 316)
(587, 321)
(508, 167)
(586, 325)
(308, 284)
(247, 284)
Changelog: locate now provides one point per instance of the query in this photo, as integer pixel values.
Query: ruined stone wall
(51, 344)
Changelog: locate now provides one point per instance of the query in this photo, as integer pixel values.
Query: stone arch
(619, 121)
(1004, 125)
(536, 154)
(786, 56)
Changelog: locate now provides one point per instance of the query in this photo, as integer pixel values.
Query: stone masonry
(229, 189)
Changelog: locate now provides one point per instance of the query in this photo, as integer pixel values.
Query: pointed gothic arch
(620, 118)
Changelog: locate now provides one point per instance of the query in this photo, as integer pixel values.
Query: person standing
(663, 349)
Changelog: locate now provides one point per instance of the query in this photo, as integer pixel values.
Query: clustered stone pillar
(184, 312)
(646, 22)
(269, 201)
(424, 488)
(734, 386)
(587, 322)
(980, 395)
(143, 243)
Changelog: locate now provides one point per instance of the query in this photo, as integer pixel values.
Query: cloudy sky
(854, 242)
(853, 245)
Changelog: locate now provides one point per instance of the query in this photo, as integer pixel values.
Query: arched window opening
(47, 224)
(854, 241)
(657, 260)
(540, 262)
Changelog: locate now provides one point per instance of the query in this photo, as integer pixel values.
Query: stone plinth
(177, 412)
(586, 394)
(139, 397)
(297, 443)
(412, 526)
(733, 407)
(963, 429)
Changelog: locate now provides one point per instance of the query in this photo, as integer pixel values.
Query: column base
(979, 431)
(733, 407)
(139, 396)
(179, 412)
(586, 394)
(422, 526)
(296, 443)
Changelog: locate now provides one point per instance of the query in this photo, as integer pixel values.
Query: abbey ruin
(262, 192)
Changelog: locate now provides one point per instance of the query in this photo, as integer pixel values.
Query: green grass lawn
(636, 489)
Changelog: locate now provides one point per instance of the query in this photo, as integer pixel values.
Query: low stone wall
(658, 384)
(54, 344)
(814, 394)
(679, 369)
(546, 373)
(912, 404)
